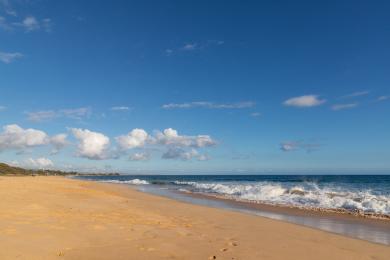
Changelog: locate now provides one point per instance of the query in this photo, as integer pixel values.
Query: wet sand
(371, 229)
(55, 217)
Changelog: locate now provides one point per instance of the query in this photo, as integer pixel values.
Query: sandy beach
(56, 217)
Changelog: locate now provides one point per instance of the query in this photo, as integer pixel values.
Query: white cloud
(203, 141)
(40, 116)
(58, 141)
(304, 101)
(178, 146)
(8, 57)
(203, 157)
(338, 107)
(41, 163)
(120, 108)
(28, 23)
(46, 115)
(143, 156)
(201, 45)
(178, 153)
(289, 146)
(76, 113)
(15, 137)
(357, 94)
(92, 145)
(210, 105)
(168, 52)
(193, 46)
(2, 108)
(135, 138)
(97, 146)
(31, 23)
(189, 47)
(171, 137)
(255, 114)
(383, 98)
(181, 146)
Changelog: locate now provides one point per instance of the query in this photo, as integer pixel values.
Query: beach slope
(56, 217)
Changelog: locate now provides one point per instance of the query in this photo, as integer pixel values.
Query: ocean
(364, 195)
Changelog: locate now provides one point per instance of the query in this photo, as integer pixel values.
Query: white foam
(133, 182)
(305, 195)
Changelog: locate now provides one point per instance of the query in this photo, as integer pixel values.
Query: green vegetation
(6, 169)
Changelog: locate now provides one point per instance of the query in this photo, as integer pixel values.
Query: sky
(195, 86)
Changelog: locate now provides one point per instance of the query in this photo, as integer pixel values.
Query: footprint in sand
(233, 243)
(231, 240)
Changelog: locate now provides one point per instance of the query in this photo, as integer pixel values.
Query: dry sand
(55, 217)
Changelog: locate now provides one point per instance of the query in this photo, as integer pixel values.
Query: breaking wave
(306, 195)
(133, 182)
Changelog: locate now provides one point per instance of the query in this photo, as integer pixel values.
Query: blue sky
(208, 86)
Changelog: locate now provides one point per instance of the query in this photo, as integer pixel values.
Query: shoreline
(373, 230)
(343, 207)
(348, 216)
(331, 221)
(52, 217)
(302, 209)
(296, 210)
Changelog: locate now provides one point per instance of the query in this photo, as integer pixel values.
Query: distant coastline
(8, 170)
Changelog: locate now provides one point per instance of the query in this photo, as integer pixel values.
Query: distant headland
(8, 170)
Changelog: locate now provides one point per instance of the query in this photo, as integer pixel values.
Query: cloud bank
(15, 137)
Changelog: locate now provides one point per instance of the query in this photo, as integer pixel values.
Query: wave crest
(133, 182)
(305, 195)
